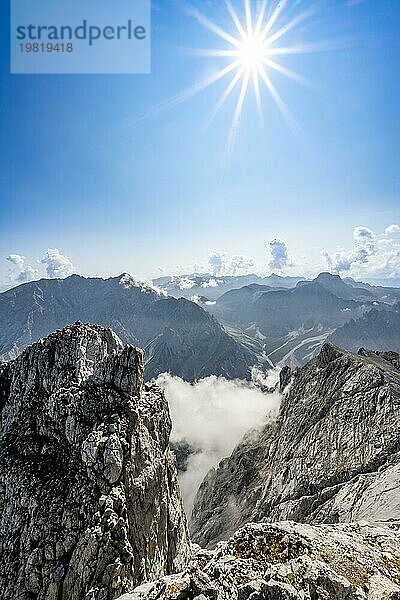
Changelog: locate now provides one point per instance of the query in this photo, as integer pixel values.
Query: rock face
(89, 501)
(332, 456)
(290, 561)
(178, 336)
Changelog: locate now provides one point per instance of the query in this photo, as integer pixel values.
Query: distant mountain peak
(326, 276)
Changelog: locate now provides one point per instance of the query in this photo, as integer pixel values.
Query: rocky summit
(290, 561)
(89, 500)
(333, 455)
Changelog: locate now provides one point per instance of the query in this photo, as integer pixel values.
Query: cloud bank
(20, 273)
(392, 229)
(57, 266)
(371, 254)
(213, 415)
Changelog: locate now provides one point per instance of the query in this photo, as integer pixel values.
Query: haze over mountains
(236, 322)
(213, 286)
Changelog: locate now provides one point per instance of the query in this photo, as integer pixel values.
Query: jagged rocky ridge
(377, 329)
(89, 501)
(333, 455)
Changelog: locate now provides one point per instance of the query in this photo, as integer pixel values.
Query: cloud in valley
(212, 415)
(186, 284)
(57, 265)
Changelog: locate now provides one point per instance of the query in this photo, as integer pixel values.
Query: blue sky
(83, 173)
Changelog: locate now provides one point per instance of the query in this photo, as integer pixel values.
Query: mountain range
(213, 286)
(288, 326)
(283, 321)
(178, 335)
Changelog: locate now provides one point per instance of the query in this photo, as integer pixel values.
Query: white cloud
(16, 259)
(392, 229)
(57, 265)
(20, 273)
(27, 274)
(186, 284)
(364, 246)
(212, 415)
(371, 256)
(146, 287)
(223, 264)
(279, 255)
(217, 262)
(239, 262)
(211, 283)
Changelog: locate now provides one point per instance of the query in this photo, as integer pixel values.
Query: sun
(253, 49)
(252, 53)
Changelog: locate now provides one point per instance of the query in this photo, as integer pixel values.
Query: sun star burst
(253, 48)
(253, 51)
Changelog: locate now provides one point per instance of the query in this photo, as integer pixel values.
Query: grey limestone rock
(89, 501)
(333, 454)
(290, 561)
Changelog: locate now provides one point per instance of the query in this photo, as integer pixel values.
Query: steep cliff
(333, 455)
(89, 501)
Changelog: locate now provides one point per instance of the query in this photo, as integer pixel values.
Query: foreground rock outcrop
(89, 501)
(333, 455)
(290, 561)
